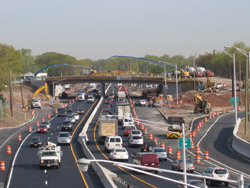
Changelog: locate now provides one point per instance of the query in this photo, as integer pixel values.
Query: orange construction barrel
(2, 165)
(30, 129)
(197, 159)
(170, 151)
(178, 155)
(8, 149)
(19, 137)
(206, 156)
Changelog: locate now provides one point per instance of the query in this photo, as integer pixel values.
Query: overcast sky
(98, 29)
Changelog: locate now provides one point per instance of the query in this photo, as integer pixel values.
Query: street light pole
(184, 155)
(176, 80)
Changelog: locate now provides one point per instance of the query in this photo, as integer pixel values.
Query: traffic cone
(163, 144)
(199, 124)
(205, 119)
(217, 113)
(150, 136)
(56, 111)
(238, 108)
(37, 123)
(19, 137)
(145, 131)
(190, 135)
(210, 116)
(197, 151)
(2, 165)
(192, 144)
(197, 159)
(155, 140)
(178, 155)
(43, 119)
(22, 109)
(142, 126)
(197, 129)
(170, 151)
(8, 149)
(30, 129)
(32, 112)
(206, 156)
(193, 134)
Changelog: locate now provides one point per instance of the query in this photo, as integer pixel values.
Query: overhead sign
(187, 142)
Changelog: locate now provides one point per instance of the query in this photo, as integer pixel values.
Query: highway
(26, 172)
(216, 142)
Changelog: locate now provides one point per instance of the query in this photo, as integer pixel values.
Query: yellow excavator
(44, 87)
(201, 105)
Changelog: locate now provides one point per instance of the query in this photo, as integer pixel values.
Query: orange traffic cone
(206, 156)
(8, 149)
(19, 137)
(197, 159)
(30, 129)
(170, 151)
(178, 155)
(2, 165)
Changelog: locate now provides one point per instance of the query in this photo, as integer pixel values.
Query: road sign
(232, 99)
(187, 142)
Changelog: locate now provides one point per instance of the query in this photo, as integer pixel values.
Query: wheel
(226, 184)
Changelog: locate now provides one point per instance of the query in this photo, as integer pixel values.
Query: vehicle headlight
(41, 161)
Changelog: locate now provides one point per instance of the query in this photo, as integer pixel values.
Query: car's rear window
(118, 140)
(112, 140)
(136, 137)
(120, 150)
(220, 171)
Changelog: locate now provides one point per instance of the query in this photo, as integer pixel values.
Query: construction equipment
(45, 87)
(175, 127)
(210, 86)
(201, 105)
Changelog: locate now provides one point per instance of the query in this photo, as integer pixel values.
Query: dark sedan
(36, 141)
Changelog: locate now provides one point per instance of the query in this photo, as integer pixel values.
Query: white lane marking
(230, 169)
(46, 182)
(48, 138)
(14, 159)
(45, 171)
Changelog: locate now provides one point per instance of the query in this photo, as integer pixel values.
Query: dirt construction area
(219, 101)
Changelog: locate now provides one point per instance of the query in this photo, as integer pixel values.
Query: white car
(71, 118)
(161, 152)
(76, 115)
(63, 138)
(127, 122)
(119, 154)
(46, 123)
(136, 141)
(143, 102)
(90, 98)
(217, 172)
(135, 133)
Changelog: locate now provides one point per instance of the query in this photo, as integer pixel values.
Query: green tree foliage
(28, 61)
(10, 59)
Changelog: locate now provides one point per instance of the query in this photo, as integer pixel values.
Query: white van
(112, 142)
(81, 96)
(128, 122)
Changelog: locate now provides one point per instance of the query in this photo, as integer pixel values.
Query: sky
(99, 29)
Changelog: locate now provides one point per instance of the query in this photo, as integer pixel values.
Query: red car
(107, 110)
(42, 129)
(127, 130)
(110, 100)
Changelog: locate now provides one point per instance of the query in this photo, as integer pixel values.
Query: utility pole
(10, 89)
(240, 82)
(21, 93)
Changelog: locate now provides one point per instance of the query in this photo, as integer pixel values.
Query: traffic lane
(217, 142)
(9, 137)
(127, 175)
(68, 167)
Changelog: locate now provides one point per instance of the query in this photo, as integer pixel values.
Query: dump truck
(175, 127)
(107, 126)
(50, 155)
(123, 110)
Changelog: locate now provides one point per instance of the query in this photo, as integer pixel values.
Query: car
(62, 112)
(107, 104)
(178, 165)
(126, 122)
(137, 103)
(42, 129)
(76, 115)
(217, 172)
(90, 98)
(127, 130)
(46, 123)
(71, 118)
(67, 125)
(112, 142)
(119, 154)
(80, 111)
(220, 85)
(36, 141)
(195, 182)
(111, 96)
(161, 152)
(63, 138)
(107, 110)
(146, 159)
(135, 133)
(122, 100)
(110, 100)
(143, 102)
(69, 109)
(135, 141)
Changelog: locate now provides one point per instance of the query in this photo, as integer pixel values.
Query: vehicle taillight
(180, 165)
(192, 165)
(228, 176)
(115, 153)
(212, 175)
